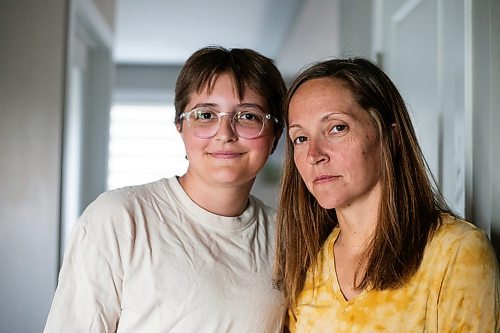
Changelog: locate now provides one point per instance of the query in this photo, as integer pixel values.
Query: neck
(358, 221)
(223, 200)
(356, 232)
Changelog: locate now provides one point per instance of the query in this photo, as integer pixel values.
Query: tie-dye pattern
(456, 289)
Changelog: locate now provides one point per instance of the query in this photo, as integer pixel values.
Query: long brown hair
(410, 206)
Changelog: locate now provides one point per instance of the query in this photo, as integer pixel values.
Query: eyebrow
(244, 105)
(323, 118)
(251, 105)
(294, 126)
(199, 105)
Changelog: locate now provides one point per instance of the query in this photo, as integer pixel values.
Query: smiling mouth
(225, 155)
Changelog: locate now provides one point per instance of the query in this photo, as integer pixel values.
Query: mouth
(325, 179)
(225, 155)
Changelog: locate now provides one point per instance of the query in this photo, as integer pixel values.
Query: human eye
(337, 128)
(249, 117)
(204, 115)
(299, 140)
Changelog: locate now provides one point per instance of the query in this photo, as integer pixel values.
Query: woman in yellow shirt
(365, 244)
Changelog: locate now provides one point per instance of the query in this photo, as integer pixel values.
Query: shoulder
(456, 238)
(262, 208)
(115, 219)
(120, 205)
(462, 274)
(458, 255)
(454, 230)
(265, 218)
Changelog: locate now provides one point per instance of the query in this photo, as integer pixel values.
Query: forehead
(222, 90)
(323, 89)
(320, 98)
(227, 81)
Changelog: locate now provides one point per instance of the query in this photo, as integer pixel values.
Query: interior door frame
(481, 77)
(90, 50)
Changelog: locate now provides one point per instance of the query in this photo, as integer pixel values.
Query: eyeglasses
(246, 124)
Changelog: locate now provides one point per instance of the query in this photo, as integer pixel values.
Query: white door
(421, 46)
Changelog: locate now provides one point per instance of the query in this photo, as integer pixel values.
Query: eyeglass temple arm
(269, 116)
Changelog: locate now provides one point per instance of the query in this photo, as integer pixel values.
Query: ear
(178, 126)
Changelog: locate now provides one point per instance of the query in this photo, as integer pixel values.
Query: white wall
(32, 60)
(107, 9)
(314, 36)
(145, 83)
(355, 25)
(35, 39)
(482, 115)
(495, 120)
(464, 51)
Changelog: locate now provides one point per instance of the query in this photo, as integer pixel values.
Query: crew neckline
(207, 218)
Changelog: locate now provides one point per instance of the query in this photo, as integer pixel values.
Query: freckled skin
(353, 155)
(456, 288)
(338, 155)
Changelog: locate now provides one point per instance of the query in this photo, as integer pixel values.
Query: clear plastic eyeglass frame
(209, 129)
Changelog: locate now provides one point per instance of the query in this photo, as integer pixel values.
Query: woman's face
(336, 144)
(226, 158)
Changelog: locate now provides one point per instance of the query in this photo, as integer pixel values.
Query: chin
(327, 205)
(328, 202)
(227, 177)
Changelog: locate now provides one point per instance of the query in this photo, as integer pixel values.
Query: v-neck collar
(335, 285)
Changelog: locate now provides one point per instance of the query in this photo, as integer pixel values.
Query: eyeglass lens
(246, 123)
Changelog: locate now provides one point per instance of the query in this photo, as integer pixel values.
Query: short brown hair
(247, 68)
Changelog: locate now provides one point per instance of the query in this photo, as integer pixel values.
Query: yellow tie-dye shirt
(456, 289)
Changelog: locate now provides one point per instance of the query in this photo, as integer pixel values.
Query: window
(144, 145)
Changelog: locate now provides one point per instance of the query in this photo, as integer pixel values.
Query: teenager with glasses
(365, 242)
(192, 253)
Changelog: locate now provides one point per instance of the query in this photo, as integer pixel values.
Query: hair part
(409, 211)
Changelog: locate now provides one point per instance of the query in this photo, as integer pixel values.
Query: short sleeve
(469, 297)
(87, 298)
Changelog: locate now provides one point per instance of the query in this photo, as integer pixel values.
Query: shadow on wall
(495, 240)
(267, 184)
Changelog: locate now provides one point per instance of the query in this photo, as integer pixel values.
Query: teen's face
(336, 144)
(226, 158)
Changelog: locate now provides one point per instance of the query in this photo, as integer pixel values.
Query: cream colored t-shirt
(147, 259)
(456, 289)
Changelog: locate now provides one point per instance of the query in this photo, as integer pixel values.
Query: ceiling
(168, 31)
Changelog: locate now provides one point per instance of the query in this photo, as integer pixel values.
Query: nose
(315, 153)
(226, 132)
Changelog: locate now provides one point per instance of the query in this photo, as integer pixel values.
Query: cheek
(372, 151)
(262, 145)
(192, 145)
(299, 158)
(296, 160)
(370, 158)
(357, 153)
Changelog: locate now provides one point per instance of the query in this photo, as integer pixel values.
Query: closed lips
(324, 178)
(225, 154)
